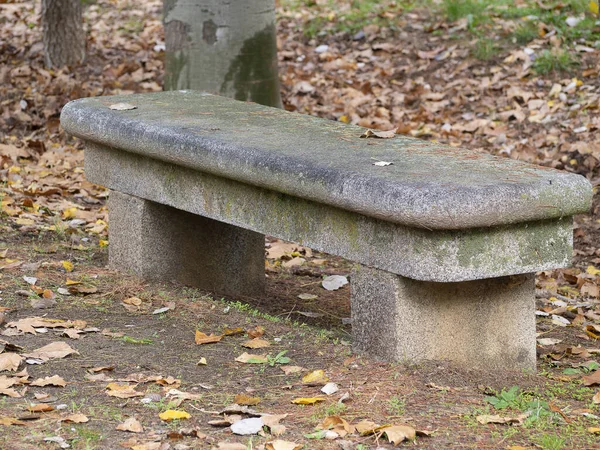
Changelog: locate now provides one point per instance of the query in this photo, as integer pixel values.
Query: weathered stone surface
(429, 186)
(488, 324)
(160, 242)
(434, 255)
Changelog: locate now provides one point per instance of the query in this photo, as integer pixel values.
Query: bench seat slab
(155, 241)
(486, 324)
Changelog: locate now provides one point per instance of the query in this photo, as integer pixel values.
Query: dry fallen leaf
(256, 343)
(41, 407)
(202, 338)
(172, 414)
(10, 361)
(288, 370)
(122, 391)
(28, 325)
(132, 425)
(54, 350)
(307, 400)
(314, 378)
(282, 445)
(486, 418)
(366, 427)
(399, 433)
(255, 332)
(243, 399)
(252, 359)
(122, 106)
(591, 380)
(379, 134)
(8, 421)
(50, 381)
(75, 418)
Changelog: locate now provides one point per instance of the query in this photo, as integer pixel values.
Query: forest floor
(517, 79)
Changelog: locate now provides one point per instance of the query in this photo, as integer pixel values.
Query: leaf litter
(532, 118)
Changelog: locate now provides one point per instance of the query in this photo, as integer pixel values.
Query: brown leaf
(590, 380)
(256, 343)
(8, 421)
(486, 418)
(54, 350)
(202, 338)
(379, 134)
(243, 399)
(132, 425)
(41, 407)
(278, 444)
(50, 381)
(399, 433)
(75, 418)
(10, 361)
(255, 332)
(122, 391)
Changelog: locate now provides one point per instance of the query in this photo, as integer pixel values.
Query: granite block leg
(487, 324)
(155, 241)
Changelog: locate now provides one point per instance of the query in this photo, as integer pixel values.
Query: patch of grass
(348, 17)
(87, 437)
(484, 49)
(551, 442)
(397, 406)
(526, 32)
(556, 60)
(132, 340)
(334, 409)
(457, 9)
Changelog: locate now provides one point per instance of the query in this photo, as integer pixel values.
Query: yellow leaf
(202, 338)
(315, 377)
(72, 282)
(246, 400)
(25, 222)
(133, 301)
(594, 430)
(307, 400)
(345, 119)
(173, 414)
(592, 270)
(69, 213)
(202, 362)
(103, 243)
(594, 7)
(67, 265)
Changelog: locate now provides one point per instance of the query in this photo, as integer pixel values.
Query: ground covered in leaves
(91, 357)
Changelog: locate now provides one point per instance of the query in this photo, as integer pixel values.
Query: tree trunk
(226, 47)
(64, 38)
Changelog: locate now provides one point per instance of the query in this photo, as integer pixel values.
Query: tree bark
(225, 47)
(63, 34)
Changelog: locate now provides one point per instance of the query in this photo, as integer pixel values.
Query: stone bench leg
(488, 324)
(159, 242)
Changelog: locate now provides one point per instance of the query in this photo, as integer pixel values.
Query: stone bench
(447, 240)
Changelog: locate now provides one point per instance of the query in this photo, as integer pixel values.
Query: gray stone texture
(432, 255)
(485, 324)
(160, 242)
(429, 186)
